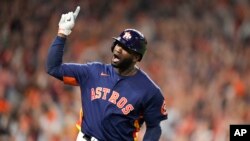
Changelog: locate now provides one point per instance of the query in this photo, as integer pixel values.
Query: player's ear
(136, 57)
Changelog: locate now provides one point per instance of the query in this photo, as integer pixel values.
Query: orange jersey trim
(70, 80)
(79, 122)
(137, 129)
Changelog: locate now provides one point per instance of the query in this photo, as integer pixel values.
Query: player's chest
(122, 94)
(115, 90)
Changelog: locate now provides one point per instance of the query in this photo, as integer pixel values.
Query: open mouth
(116, 58)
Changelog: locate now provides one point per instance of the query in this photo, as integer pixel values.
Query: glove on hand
(67, 22)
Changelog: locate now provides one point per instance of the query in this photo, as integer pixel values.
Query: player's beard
(123, 64)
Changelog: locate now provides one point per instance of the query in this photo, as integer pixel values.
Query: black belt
(89, 138)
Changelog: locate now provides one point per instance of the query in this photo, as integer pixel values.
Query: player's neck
(130, 71)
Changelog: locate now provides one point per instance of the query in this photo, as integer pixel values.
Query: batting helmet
(133, 40)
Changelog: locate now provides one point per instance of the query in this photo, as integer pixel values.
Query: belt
(89, 138)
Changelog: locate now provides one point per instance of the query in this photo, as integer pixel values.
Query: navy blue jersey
(114, 106)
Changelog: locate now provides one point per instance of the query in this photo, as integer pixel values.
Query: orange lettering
(127, 109)
(98, 92)
(114, 97)
(92, 93)
(122, 102)
(105, 92)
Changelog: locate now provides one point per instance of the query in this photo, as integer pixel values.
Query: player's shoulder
(147, 81)
(95, 63)
(152, 90)
(97, 66)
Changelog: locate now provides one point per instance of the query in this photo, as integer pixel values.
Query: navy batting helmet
(133, 40)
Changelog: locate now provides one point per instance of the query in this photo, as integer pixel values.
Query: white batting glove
(67, 22)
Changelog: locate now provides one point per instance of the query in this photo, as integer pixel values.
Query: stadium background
(198, 53)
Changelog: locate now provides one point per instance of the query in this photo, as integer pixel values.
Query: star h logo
(127, 36)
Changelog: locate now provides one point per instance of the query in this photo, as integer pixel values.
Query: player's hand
(67, 22)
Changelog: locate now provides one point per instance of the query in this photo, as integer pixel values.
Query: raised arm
(54, 59)
(55, 53)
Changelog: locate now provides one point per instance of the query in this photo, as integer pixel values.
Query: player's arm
(55, 53)
(54, 60)
(155, 112)
(152, 133)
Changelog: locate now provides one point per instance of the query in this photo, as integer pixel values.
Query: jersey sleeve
(155, 109)
(70, 73)
(73, 73)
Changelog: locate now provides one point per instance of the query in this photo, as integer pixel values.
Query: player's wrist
(61, 35)
(64, 32)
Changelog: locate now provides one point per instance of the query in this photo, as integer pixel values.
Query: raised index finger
(76, 11)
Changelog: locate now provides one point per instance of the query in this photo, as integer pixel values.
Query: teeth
(116, 60)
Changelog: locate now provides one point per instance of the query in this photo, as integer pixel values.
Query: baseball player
(117, 98)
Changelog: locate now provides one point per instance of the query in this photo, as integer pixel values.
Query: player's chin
(122, 63)
(119, 64)
(115, 64)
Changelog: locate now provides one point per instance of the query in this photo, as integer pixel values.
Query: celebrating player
(116, 98)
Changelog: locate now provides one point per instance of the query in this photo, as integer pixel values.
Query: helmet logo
(127, 36)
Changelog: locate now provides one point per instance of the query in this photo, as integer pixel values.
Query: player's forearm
(55, 55)
(152, 133)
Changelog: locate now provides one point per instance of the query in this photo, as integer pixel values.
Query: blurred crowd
(198, 53)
